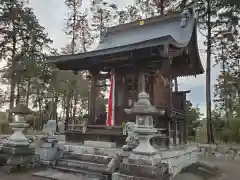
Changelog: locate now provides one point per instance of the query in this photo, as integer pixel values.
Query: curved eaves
(180, 36)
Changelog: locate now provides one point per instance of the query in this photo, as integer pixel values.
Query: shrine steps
(81, 166)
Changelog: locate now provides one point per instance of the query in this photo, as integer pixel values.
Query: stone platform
(172, 163)
(92, 149)
(58, 175)
(82, 162)
(180, 158)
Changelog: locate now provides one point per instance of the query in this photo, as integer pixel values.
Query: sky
(52, 16)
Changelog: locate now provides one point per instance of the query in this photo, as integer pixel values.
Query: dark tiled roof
(156, 31)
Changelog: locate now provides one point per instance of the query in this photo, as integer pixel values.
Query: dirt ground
(231, 170)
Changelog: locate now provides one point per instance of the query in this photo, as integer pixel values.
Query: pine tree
(15, 23)
(103, 15)
(84, 32)
(81, 40)
(211, 16)
(155, 7)
(72, 22)
(227, 55)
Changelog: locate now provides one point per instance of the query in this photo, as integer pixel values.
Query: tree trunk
(12, 85)
(28, 92)
(161, 7)
(67, 111)
(18, 93)
(54, 110)
(75, 107)
(208, 76)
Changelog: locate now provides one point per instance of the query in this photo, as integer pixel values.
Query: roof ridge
(154, 19)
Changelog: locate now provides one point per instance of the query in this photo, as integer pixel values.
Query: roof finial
(186, 14)
(103, 33)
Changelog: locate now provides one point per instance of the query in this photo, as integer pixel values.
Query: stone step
(119, 176)
(99, 159)
(56, 174)
(82, 172)
(83, 165)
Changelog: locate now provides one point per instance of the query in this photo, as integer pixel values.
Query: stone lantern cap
(143, 106)
(20, 109)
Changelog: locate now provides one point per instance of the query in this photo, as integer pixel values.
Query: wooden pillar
(133, 96)
(175, 132)
(175, 84)
(119, 98)
(126, 92)
(151, 89)
(141, 79)
(185, 124)
(93, 94)
(138, 84)
(166, 68)
(182, 130)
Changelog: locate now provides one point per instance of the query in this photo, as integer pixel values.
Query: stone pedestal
(141, 172)
(49, 150)
(16, 151)
(16, 156)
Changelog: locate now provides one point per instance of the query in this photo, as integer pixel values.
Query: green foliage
(3, 118)
(234, 126)
(103, 14)
(155, 7)
(226, 131)
(193, 118)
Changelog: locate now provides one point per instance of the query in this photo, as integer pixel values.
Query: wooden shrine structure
(163, 47)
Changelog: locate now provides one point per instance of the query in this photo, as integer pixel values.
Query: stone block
(65, 175)
(88, 166)
(18, 150)
(61, 137)
(100, 144)
(19, 160)
(143, 170)
(79, 149)
(47, 154)
(179, 159)
(47, 145)
(150, 160)
(88, 157)
(119, 176)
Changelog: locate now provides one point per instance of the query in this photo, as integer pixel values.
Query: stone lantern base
(15, 157)
(134, 171)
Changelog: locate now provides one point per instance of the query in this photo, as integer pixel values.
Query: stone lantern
(144, 124)
(144, 162)
(16, 149)
(19, 125)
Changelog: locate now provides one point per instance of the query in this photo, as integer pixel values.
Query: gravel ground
(230, 169)
(21, 176)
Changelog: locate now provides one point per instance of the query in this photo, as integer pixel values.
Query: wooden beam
(93, 93)
(101, 76)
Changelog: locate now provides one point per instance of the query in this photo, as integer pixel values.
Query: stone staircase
(75, 166)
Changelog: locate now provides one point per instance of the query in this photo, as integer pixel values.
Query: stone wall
(178, 159)
(223, 151)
